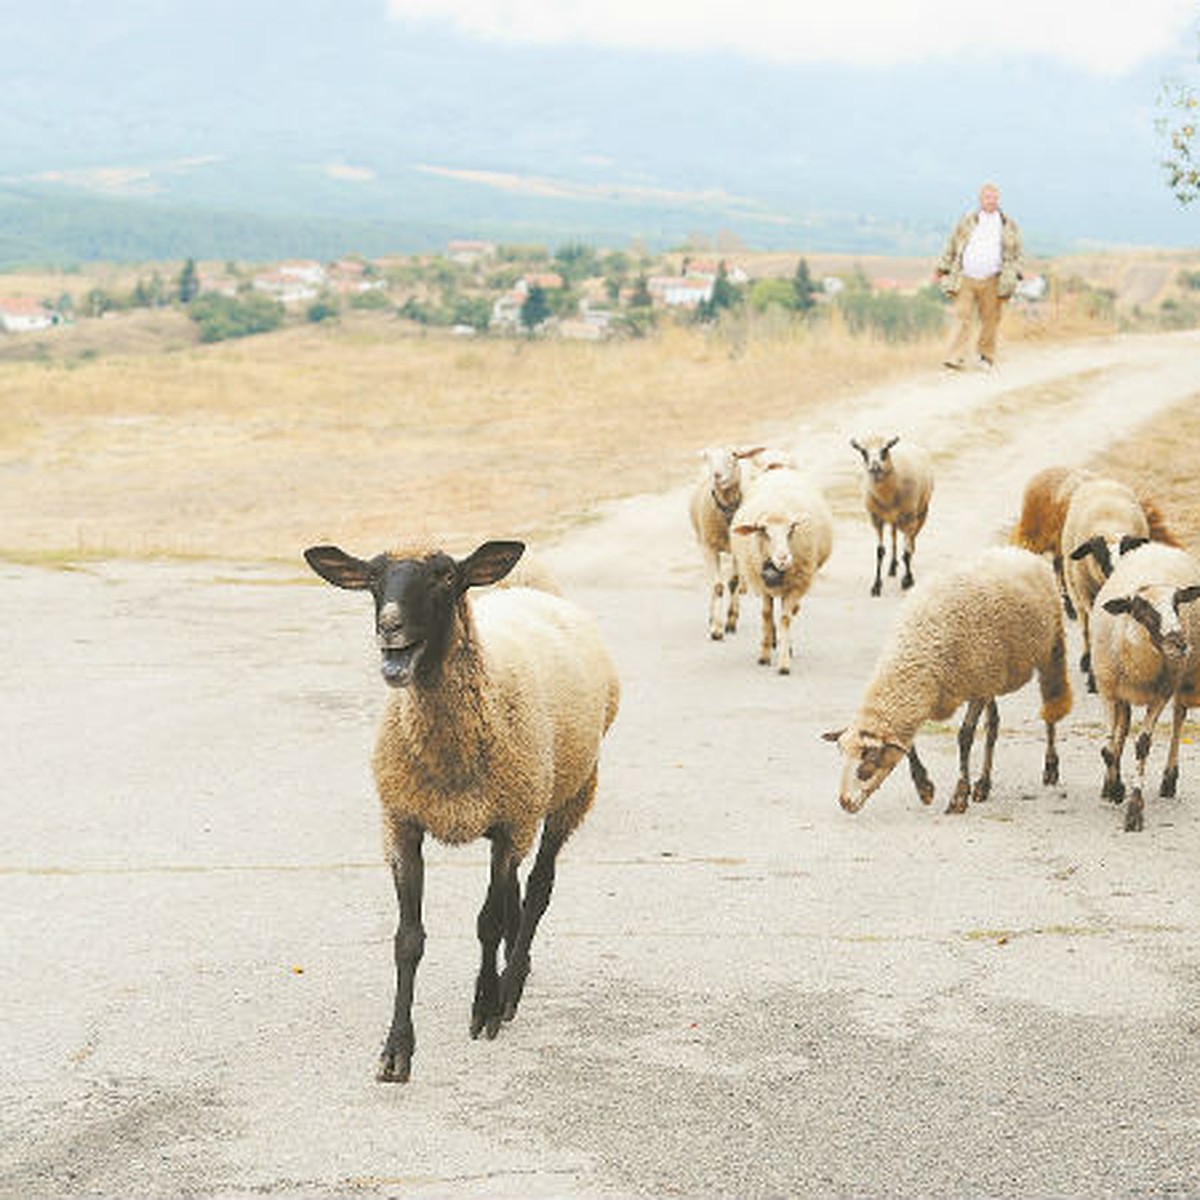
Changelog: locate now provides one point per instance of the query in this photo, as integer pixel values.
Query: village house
(679, 291)
(467, 253)
(24, 314)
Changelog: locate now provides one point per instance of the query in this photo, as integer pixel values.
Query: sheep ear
(1130, 542)
(857, 446)
(890, 443)
(489, 563)
(749, 453)
(1119, 604)
(1083, 550)
(744, 530)
(1186, 595)
(339, 568)
(834, 735)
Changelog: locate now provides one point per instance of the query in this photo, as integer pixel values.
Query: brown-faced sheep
(711, 506)
(782, 535)
(967, 636)
(1146, 650)
(493, 727)
(1104, 520)
(897, 487)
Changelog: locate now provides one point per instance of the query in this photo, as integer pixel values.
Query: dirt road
(739, 989)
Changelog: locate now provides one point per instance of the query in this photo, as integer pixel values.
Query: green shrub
(220, 317)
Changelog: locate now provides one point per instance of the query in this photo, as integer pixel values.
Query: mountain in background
(144, 129)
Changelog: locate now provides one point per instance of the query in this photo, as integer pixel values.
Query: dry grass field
(362, 433)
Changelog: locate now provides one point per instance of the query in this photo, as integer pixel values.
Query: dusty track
(739, 989)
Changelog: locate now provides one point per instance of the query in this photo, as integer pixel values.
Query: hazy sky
(1101, 36)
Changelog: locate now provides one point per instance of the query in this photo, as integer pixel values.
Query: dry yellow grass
(367, 436)
(257, 448)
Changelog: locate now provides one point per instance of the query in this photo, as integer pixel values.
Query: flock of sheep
(981, 630)
(501, 696)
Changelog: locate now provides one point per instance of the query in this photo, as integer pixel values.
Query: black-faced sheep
(1043, 511)
(711, 506)
(782, 535)
(493, 727)
(1104, 520)
(966, 636)
(897, 487)
(1146, 651)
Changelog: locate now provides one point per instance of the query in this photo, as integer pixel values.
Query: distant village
(490, 289)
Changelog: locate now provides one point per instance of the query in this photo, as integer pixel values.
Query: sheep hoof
(907, 582)
(395, 1066)
(1113, 790)
(512, 984)
(1134, 813)
(959, 802)
(785, 670)
(925, 791)
(1169, 780)
(982, 790)
(1050, 771)
(716, 634)
(877, 588)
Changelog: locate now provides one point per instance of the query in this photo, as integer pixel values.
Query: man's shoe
(955, 364)
(985, 363)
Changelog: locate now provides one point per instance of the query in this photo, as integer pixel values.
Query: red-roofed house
(24, 314)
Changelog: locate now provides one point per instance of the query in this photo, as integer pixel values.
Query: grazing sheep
(897, 487)
(493, 727)
(711, 506)
(1146, 650)
(782, 535)
(1104, 520)
(1043, 510)
(970, 635)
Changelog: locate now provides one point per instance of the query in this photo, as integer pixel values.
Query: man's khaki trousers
(976, 297)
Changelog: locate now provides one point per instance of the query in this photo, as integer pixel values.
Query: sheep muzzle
(399, 662)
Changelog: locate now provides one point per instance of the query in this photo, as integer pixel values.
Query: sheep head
(417, 600)
(1156, 609)
(774, 534)
(1107, 552)
(867, 760)
(876, 454)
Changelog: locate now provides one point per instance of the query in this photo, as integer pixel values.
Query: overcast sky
(1100, 36)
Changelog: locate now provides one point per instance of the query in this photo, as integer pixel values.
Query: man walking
(979, 268)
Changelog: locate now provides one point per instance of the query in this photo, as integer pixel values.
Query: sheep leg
(1171, 771)
(1085, 659)
(408, 874)
(966, 739)
(1118, 729)
(734, 586)
(1135, 808)
(768, 630)
(498, 918)
(920, 776)
(1068, 607)
(983, 785)
(786, 615)
(880, 553)
(895, 562)
(712, 561)
(1050, 762)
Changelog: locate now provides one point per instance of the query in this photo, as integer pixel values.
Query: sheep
(969, 635)
(782, 535)
(1146, 650)
(1043, 510)
(493, 726)
(1104, 519)
(711, 506)
(897, 487)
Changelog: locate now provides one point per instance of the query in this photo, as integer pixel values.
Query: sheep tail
(1160, 531)
(1055, 683)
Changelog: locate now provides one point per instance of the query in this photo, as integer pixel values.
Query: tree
(804, 288)
(725, 294)
(189, 282)
(1182, 162)
(641, 297)
(535, 308)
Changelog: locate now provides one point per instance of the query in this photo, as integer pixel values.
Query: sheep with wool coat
(1146, 651)
(967, 636)
(782, 535)
(1104, 520)
(1044, 505)
(711, 505)
(897, 488)
(493, 727)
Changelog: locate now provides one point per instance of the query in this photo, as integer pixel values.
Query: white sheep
(966, 636)
(1043, 510)
(1146, 651)
(1104, 520)
(711, 505)
(493, 727)
(897, 488)
(782, 535)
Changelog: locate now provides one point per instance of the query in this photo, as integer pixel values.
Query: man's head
(989, 197)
